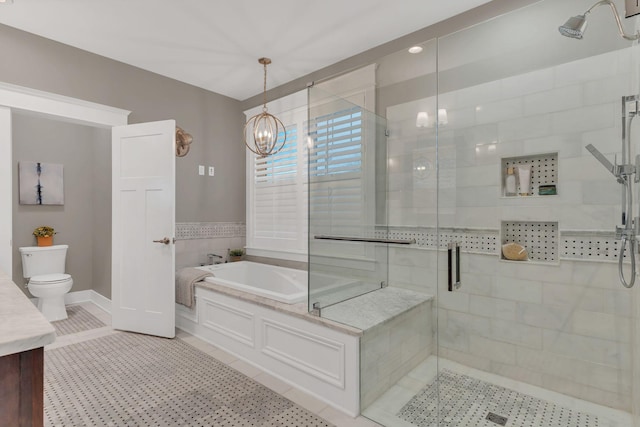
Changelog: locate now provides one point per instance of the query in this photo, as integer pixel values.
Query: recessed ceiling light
(6, 1)
(415, 49)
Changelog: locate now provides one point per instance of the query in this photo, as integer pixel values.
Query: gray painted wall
(214, 121)
(80, 222)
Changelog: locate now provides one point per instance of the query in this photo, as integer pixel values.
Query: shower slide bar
(626, 174)
(367, 240)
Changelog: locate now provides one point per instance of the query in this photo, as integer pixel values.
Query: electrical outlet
(200, 169)
(211, 171)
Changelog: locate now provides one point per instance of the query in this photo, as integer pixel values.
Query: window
(335, 171)
(338, 173)
(276, 188)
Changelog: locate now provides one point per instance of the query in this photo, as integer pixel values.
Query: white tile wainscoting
(566, 327)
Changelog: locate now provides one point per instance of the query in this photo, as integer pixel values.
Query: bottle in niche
(510, 183)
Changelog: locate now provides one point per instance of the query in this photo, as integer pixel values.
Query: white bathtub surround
(310, 353)
(278, 283)
(321, 355)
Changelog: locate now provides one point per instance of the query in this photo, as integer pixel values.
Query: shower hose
(628, 217)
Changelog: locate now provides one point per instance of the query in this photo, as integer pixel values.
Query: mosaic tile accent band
(592, 245)
(469, 402)
(588, 245)
(209, 230)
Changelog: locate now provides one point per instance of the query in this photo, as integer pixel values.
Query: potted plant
(236, 255)
(44, 234)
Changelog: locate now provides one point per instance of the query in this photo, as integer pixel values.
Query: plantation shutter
(335, 170)
(276, 190)
(276, 187)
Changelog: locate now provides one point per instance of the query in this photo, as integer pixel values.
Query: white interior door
(143, 272)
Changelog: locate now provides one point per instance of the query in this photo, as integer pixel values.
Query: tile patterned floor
(78, 320)
(128, 379)
(467, 395)
(467, 402)
(306, 411)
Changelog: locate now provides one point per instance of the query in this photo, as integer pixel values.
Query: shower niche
(540, 180)
(540, 239)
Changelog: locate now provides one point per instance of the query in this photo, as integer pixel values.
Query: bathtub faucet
(212, 256)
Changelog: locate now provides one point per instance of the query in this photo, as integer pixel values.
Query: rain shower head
(576, 25)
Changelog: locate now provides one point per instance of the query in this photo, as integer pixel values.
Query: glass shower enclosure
(414, 241)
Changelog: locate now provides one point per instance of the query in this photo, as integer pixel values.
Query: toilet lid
(50, 278)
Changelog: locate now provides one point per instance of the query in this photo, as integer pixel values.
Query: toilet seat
(49, 279)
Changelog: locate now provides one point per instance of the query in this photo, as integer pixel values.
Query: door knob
(166, 241)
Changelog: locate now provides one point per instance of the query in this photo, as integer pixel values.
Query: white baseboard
(88, 295)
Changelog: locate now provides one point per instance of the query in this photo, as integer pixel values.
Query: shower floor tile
(469, 402)
(468, 396)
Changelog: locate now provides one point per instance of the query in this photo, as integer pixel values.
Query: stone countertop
(22, 326)
(297, 310)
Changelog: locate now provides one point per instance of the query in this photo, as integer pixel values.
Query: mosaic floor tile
(78, 320)
(130, 379)
(469, 402)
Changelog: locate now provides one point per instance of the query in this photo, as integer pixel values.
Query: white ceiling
(215, 44)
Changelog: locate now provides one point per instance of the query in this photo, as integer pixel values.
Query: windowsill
(359, 263)
(279, 254)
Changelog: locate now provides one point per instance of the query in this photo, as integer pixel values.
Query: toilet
(44, 267)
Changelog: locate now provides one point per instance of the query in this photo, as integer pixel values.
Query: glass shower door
(540, 332)
(347, 253)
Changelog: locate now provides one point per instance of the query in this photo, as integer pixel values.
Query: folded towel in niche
(186, 278)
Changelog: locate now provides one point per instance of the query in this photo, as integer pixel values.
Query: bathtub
(282, 284)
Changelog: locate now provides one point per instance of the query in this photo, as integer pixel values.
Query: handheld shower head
(574, 27)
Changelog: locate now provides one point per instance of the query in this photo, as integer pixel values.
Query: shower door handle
(449, 269)
(451, 284)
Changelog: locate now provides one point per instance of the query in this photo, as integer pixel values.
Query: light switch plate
(632, 8)
(200, 169)
(211, 171)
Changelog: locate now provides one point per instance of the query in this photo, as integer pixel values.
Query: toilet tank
(37, 260)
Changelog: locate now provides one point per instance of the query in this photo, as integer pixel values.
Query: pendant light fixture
(262, 130)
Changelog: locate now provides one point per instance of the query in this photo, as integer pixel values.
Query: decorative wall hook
(183, 141)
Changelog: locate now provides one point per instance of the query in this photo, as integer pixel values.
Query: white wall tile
(498, 111)
(584, 119)
(518, 290)
(494, 308)
(493, 350)
(516, 333)
(587, 69)
(558, 99)
(590, 349)
(541, 316)
(525, 128)
(601, 325)
(524, 84)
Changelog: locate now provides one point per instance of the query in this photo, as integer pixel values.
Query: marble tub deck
(375, 308)
(352, 316)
